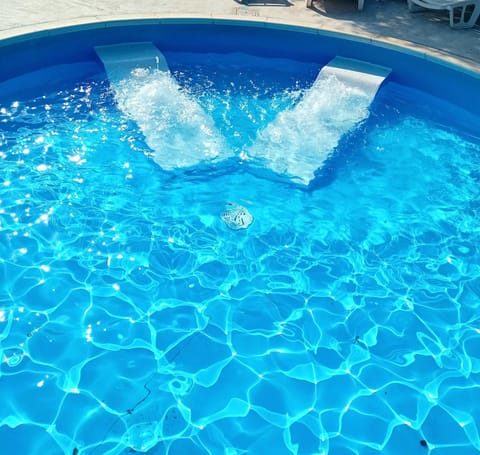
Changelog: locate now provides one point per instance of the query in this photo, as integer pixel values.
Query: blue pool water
(345, 320)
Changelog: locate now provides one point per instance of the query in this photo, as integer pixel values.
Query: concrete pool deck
(387, 21)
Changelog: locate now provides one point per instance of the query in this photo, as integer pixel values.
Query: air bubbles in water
(142, 437)
(14, 359)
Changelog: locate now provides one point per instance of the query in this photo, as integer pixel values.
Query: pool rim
(58, 28)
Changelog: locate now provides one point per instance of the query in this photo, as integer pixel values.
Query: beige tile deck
(385, 20)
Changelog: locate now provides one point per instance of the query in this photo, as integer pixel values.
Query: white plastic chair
(308, 4)
(463, 13)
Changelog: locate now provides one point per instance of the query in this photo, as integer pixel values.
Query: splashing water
(177, 129)
(300, 140)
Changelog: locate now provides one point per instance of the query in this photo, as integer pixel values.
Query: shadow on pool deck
(265, 2)
(391, 18)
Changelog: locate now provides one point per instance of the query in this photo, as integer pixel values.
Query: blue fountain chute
(176, 128)
(299, 140)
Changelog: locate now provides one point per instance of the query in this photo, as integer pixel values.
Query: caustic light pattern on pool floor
(344, 320)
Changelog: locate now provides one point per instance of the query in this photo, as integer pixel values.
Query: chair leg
(360, 5)
(308, 3)
(459, 13)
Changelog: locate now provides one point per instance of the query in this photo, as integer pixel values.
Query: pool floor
(344, 320)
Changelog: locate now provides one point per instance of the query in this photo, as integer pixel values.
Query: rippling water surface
(345, 320)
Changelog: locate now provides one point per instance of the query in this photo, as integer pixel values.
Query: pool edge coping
(48, 29)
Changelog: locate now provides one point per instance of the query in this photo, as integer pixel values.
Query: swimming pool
(344, 320)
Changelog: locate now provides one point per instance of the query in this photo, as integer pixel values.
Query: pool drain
(236, 216)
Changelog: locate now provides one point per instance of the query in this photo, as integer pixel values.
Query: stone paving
(384, 20)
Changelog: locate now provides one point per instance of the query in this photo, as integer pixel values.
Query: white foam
(300, 140)
(176, 128)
